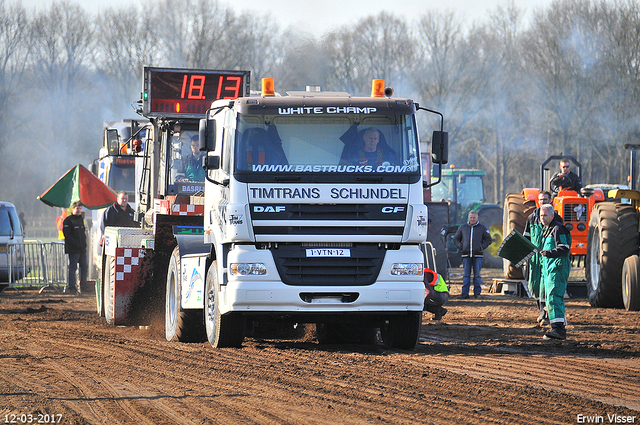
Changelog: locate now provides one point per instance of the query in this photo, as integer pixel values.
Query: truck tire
(631, 283)
(491, 217)
(515, 214)
(181, 325)
(222, 330)
(402, 331)
(100, 283)
(612, 237)
(107, 290)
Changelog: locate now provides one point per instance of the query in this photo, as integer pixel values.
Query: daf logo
(268, 209)
(392, 210)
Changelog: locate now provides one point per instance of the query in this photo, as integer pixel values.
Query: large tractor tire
(613, 236)
(222, 330)
(631, 283)
(515, 214)
(491, 217)
(181, 325)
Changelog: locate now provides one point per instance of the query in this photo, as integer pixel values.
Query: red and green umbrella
(79, 184)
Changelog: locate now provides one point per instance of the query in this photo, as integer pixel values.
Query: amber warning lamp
(377, 88)
(268, 88)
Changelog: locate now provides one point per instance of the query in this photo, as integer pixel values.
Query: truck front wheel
(108, 288)
(183, 325)
(402, 331)
(222, 330)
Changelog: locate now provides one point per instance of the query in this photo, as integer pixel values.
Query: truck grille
(361, 268)
(325, 219)
(575, 212)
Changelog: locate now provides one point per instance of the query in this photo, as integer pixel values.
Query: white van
(10, 233)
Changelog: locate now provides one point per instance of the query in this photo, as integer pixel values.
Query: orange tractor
(574, 208)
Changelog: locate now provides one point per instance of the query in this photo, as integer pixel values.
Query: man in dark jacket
(75, 246)
(120, 214)
(566, 179)
(472, 239)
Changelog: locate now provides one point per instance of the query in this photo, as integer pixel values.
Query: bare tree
(127, 42)
(64, 43)
(566, 57)
(258, 38)
(449, 72)
(15, 46)
(193, 33)
(506, 115)
(341, 52)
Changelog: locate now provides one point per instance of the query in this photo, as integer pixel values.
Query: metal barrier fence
(36, 263)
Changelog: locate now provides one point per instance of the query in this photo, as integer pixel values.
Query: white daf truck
(311, 211)
(307, 219)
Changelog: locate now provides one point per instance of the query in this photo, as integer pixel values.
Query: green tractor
(463, 191)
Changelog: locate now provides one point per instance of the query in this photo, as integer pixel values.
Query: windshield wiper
(369, 179)
(286, 178)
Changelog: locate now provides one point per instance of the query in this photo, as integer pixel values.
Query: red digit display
(196, 87)
(173, 92)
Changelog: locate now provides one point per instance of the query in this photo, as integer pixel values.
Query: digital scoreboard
(175, 92)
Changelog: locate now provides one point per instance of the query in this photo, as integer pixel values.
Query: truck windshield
(122, 178)
(186, 174)
(378, 145)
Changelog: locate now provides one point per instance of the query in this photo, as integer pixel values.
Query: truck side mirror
(111, 141)
(440, 147)
(207, 135)
(211, 162)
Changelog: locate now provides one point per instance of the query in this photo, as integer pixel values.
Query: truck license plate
(328, 252)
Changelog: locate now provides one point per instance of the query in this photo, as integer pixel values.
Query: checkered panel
(187, 209)
(127, 261)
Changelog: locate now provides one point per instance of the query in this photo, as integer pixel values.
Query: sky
(319, 17)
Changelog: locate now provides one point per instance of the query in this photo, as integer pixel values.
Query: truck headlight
(246, 269)
(407, 269)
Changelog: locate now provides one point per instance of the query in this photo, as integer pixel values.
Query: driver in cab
(372, 152)
(192, 163)
(566, 179)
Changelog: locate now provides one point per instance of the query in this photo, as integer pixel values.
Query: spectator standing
(472, 238)
(75, 246)
(556, 265)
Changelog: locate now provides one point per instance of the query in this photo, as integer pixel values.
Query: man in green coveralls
(556, 265)
(533, 231)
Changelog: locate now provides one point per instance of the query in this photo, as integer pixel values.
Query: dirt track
(484, 363)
